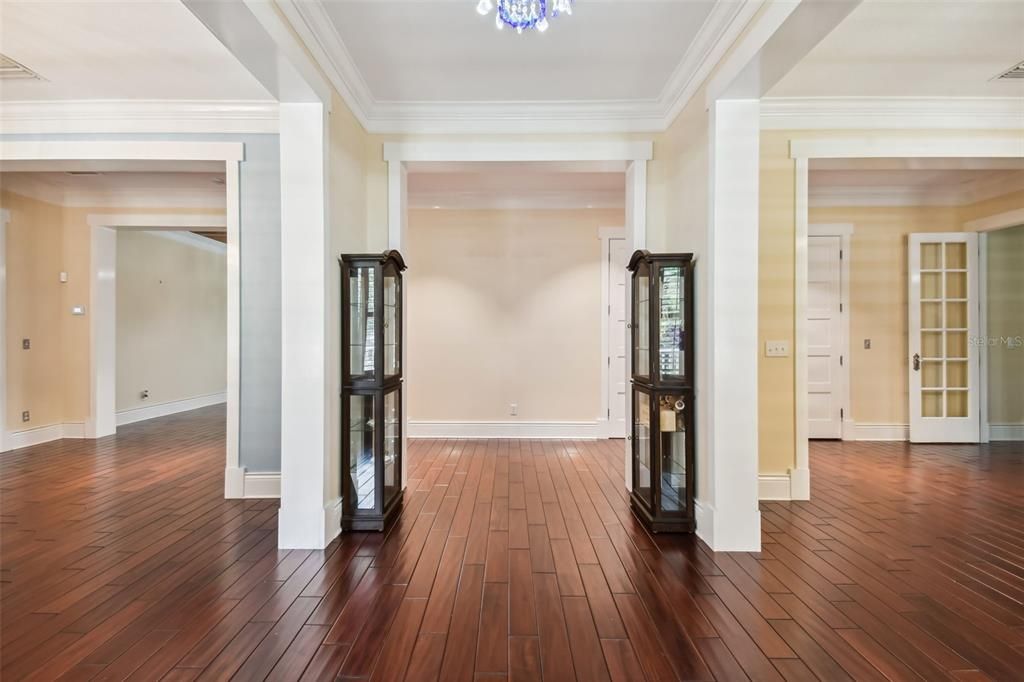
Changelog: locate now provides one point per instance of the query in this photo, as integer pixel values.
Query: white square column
(729, 519)
(303, 521)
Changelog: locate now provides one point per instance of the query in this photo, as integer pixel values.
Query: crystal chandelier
(524, 14)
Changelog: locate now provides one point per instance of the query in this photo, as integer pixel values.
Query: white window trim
(606, 234)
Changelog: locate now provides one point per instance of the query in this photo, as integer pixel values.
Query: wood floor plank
(520, 560)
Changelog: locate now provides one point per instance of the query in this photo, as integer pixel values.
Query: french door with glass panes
(943, 331)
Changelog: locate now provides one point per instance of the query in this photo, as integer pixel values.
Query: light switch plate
(776, 349)
(78, 310)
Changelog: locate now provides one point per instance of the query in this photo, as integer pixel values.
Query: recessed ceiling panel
(443, 51)
(938, 48)
(150, 49)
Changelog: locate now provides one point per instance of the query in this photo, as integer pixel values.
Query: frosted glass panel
(956, 285)
(931, 316)
(956, 374)
(931, 285)
(931, 344)
(956, 256)
(956, 344)
(931, 256)
(956, 403)
(931, 404)
(931, 374)
(956, 315)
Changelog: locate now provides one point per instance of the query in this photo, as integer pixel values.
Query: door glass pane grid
(944, 324)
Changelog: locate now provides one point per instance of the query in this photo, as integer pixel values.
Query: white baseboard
(1006, 431)
(45, 434)
(240, 484)
(332, 521)
(511, 429)
(138, 414)
(774, 487)
(881, 432)
(704, 517)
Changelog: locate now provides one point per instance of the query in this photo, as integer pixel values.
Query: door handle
(917, 362)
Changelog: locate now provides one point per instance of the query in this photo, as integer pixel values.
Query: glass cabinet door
(671, 322)
(362, 451)
(642, 447)
(641, 321)
(672, 426)
(361, 322)
(392, 320)
(392, 444)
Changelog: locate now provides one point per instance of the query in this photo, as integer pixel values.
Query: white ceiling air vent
(10, 69)
(1014, 73)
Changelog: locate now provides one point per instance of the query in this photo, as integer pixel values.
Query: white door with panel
(944, 358)
(618, 257)
(824, 337)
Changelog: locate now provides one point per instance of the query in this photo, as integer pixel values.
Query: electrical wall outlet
(776, 349)
(26, 416)
(867, 344)
(26, 344)
(144, 394)
(513, 409)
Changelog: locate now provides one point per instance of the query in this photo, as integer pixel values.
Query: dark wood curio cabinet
(371, 389)
(662, 434)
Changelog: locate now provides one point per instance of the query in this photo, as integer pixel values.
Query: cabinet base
(662, 524)
(371, 522)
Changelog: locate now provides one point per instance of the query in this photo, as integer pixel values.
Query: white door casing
(616, 256)
(825, 407)
(944, 358)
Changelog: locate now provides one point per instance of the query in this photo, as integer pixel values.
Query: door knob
(917, 362)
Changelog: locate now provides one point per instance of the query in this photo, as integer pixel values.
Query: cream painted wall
(35, 378)
(1006, 325)
(65, 337)
(505, 307)
(879, 392)
(171, 319)
(777, 286)
(994, 206)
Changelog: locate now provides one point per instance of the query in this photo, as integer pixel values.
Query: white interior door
(943, 323)
(824, 337)
(618, 257)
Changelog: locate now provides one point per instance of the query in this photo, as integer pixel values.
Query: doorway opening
(516, 300)
(895, 285)
(104, 343)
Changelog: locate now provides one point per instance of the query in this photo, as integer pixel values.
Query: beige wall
(1006, 325)
(879, 392)
(777, 286)
(171, 320)
(505, 307)
(35, 378)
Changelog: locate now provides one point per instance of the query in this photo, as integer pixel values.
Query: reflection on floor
(512, 559)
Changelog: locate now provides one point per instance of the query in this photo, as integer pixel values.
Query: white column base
(730, 532)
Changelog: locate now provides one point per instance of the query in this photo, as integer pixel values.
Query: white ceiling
(911, 182)
(146, 49)
(151, 189)
(894, 48)
(442, 50)
(516, 186)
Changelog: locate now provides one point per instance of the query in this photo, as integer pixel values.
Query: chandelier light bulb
(524, 14)
(542, 25)
(498, 22)
(484, 7)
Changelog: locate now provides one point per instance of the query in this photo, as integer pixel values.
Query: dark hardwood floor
(512, 560)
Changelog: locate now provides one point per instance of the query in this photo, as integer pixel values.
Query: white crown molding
(935, 195)
(716, 35)
(552, 200)
(892, 113)
(138, 116)
(197, 242)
